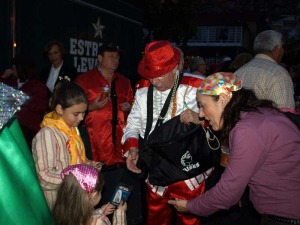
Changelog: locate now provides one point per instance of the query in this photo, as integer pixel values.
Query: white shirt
(20, 84)
(53, 75)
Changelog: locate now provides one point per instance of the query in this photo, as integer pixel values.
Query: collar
(113, 77)
(266, 57)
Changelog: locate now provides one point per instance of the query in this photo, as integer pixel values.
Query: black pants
(136, 204)
(236, 215)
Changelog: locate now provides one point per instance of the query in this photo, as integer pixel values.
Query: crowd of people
(188, 141)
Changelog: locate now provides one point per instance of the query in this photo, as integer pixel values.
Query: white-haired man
(165, 99)
(264, 74)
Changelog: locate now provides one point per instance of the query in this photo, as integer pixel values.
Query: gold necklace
(171, 104)
(208, 132)
(184, 102)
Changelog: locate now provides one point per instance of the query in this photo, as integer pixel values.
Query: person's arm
(132, 159)
(119, 217)
(281, 91)
(245, 157)
(130, 139)
(189, 116)
(133, 127)
(126, 105)
(94, 103)
(8, 73)
(190, 107)
(97, 104)
(45, 148)
(99, 218)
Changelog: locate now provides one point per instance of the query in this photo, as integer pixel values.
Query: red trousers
(160, 212)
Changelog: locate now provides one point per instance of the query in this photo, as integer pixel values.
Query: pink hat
(87, 176)
(160, 58)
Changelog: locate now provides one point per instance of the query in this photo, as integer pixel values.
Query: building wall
(72, 22)
(6, 43)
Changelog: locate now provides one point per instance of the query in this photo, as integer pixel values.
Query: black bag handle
(163, 111)
(149, 111)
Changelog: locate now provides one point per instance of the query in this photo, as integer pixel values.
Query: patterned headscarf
(218, 83)
(86, 176)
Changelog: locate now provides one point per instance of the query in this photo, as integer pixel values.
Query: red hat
(160, 58)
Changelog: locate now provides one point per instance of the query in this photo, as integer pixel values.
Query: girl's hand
(97, 165)
(123, 205)
(108, 209)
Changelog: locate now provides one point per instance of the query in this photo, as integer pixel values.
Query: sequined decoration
(86, 176)
(218, 83)
(11, 100)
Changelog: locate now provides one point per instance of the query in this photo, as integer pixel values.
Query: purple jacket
(265, 154)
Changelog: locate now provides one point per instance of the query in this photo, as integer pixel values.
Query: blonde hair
(72, 206)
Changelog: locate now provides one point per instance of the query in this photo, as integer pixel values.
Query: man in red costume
(164, 95)
(107, 114)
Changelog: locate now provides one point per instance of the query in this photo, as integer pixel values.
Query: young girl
(58, 143)
(77, 196)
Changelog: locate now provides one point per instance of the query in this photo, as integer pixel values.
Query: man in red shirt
(107, 115)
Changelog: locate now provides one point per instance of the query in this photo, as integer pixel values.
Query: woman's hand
(180, 205)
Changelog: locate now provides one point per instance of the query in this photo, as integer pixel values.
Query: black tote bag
(175, 151)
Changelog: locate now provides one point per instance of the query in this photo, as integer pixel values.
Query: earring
(177, 72)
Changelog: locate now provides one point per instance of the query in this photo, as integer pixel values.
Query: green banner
(21, 198)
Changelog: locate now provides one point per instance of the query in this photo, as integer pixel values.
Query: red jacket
(98, 122)
(32, 111)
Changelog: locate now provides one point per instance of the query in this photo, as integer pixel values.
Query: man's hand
(125, 106)
(98, 104)
(189, 116)
(179, 205)
(7, 73)
(96, 165)
(132, 159)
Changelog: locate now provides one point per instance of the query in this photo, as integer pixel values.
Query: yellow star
(98, 28)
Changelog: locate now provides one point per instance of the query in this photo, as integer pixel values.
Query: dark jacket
(65, 70)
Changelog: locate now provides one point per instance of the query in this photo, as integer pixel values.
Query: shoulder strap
(163, 111)
(149, 111)
(114, 101)
(168, 102)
